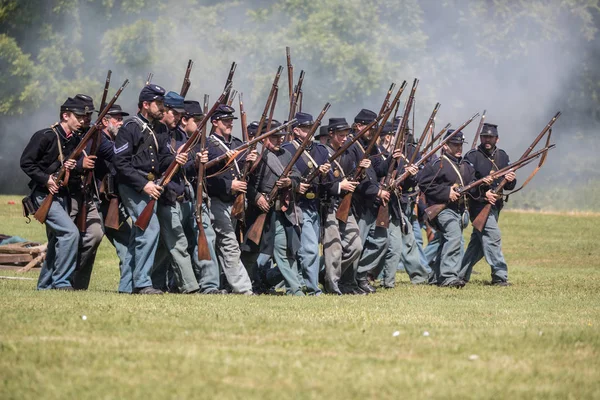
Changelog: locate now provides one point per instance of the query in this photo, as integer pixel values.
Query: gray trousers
(447, 265)
(173, 237)
(228, 248)
(488, 244)
(341, 248)
(402, 248)
(375, 243)
(88, 243)
(287, 265)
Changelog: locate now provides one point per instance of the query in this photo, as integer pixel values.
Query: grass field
(537, 339)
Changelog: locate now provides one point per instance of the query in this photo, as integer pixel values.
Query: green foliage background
(351, 50)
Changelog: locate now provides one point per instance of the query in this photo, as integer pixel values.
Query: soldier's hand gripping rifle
(237, 210)
(478, 132)
(383, 212)
(383, 215)
(434, 210)
(480, 220)
(146, 214)
(186, 80)
(42, 213)
(346, 203)
(255, 231)
(88, 175)
(339, 152)
(203, 247)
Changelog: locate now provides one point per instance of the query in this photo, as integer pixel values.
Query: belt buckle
(310, 195)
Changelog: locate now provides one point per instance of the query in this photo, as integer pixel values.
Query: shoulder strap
(455, 168)
(61, 156)
(224, 147)
(274, 163)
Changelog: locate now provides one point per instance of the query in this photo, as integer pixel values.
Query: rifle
(255, 231)
(311, 177)
(237, 151)
(88, 176)
(232, 97)
(478, 131)
(229, 81)
(387, 98)
(105, 93)
(383, 214)
(203, 249)
(42, 213)
(237, 210)
(300, 98)
(436, 137)
(344, 207)
(290, 69)
(272, 111)
(439, 135)
(480, 220)
(149, 78)
(294, 103)
(186, 80)
(424, 158)
(144, 218)
(434, 210)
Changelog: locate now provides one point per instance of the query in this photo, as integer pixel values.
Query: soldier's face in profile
(171, 118)
(301, 132)
(489, 142)
(113, 123)
(73, 121)
(274, 142)
(155, 109)
(224, 126)
(454, 149)
(339, 137)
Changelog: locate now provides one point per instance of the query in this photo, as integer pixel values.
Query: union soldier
(341, 244)
(486, 158)
(105, 174)
(439, 180)
(281, 233)
(366, 200)
(91, 237)
(322, 136)
(175, 210)
(43, 156)
(223, 189)
(140, 157)
(314, 157)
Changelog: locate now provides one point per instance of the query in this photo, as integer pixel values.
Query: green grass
(538, 338)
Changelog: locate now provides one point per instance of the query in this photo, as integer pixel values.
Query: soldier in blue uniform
(365, 202)
(439, 180)
(175, 209)
(281, 233)
(314, 157)
(486, 158)
(223, 189)
(341, 241)
(141, 155)
(105, 175)
(43, 156)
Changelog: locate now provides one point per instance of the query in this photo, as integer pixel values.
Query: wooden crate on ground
(22, 257)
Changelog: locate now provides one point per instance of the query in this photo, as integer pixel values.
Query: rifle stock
(42, 213)
(239, 204)
(203, 249)
(481, 219)
(255, 231)
(112, 215)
